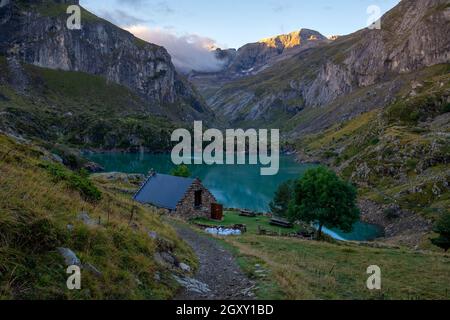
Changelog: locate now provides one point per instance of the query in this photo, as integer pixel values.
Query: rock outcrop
(254, 57)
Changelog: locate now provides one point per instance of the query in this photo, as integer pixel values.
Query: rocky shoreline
(400, 226)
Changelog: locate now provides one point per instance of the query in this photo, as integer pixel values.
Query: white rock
(185, 267)
(70, 257)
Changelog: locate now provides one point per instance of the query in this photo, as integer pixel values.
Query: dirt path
(219, 276)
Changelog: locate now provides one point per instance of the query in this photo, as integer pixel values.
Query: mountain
(253, 58)
(413, 36)
(35, 33)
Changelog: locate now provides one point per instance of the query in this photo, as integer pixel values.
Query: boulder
(70, 257)
(89, 267)
(57, 158)
(153, 235)
(185, 267)
(193, 285)
(86, 219)
(93, 167)
(167, 257)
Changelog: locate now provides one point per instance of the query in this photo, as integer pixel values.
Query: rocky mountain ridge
(255, 57)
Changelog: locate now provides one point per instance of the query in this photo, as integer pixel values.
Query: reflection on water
(361, 232)
(237, 186)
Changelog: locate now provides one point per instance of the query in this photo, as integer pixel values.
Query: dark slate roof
(163, 191)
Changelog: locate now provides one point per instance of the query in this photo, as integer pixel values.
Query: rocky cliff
(36, 32)
(253, 57)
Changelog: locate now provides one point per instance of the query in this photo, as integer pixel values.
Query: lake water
(238, 186)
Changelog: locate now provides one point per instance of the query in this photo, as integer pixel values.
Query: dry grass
(315, 270)
(34, 215)
(350, 128)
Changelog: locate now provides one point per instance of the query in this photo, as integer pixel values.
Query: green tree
(280, 204)
(181, 171)
(322, 197)
(443, 229)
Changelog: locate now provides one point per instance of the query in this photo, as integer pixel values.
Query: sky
(232, 23)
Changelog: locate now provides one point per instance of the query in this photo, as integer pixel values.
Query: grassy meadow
(295, 269)
(253, 223)
(301, 269)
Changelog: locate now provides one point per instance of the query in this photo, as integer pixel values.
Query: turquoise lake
(237, 186)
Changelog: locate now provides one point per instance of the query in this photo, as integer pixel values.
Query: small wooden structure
(216, 211)
(247, 213)
(280, 222)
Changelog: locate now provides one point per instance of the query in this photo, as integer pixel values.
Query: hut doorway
(198, 198)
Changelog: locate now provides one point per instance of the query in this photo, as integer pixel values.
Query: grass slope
(297, 269)
(35, 210)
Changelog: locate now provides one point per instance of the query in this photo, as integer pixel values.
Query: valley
(373, 106)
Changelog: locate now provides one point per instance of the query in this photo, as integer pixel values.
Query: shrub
(446, 108)
(391, 213)
(443, 229)
(330, 154)
(283, 196)
(411, 164)
(374, 141)
(76, 181)
(181, 171)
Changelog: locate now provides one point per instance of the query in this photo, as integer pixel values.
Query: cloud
(122, 18)
(189, 52)
(158, 6)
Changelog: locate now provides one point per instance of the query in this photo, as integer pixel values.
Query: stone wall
(186, 207)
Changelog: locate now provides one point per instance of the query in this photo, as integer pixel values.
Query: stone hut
(184, 197)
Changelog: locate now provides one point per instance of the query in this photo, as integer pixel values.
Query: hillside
(35, 33)
(78, 109)
(45, 207)
(398, 156)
